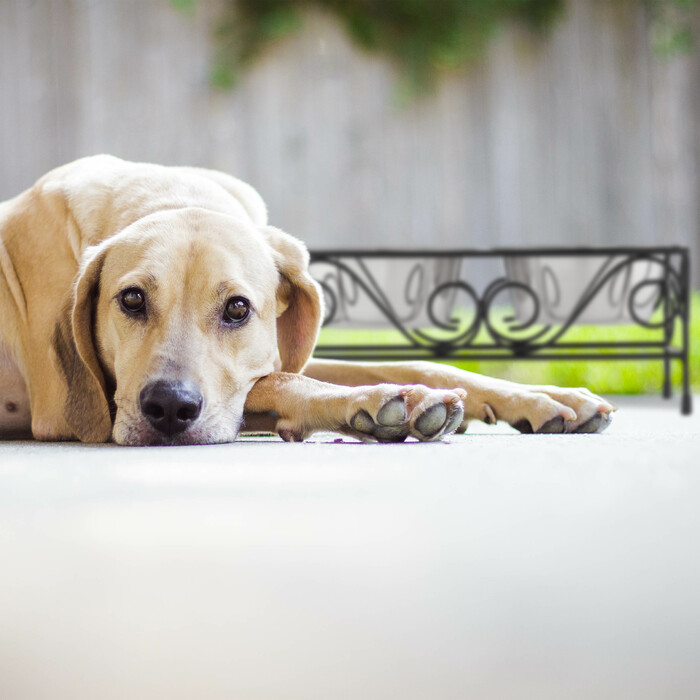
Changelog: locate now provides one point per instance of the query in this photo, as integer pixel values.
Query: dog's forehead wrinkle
(224, 287)
(237, 287)
(138, 278)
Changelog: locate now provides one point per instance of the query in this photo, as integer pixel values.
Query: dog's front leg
(296, 406)
(540, 409)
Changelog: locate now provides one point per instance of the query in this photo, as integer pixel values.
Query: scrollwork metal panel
(524, 313)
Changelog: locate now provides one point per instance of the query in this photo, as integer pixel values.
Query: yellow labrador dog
(154, 305)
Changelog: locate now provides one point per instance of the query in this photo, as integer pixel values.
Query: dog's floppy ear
(86, 409)
(299, 300)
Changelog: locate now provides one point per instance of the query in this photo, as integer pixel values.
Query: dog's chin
(138, 432)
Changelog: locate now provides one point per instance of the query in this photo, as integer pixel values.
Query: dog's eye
(236, 310)
(133, 300)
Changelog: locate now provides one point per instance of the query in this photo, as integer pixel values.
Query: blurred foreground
(497, 565)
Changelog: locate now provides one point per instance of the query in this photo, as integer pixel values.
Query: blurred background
(454, 123)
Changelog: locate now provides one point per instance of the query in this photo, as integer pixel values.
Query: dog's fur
(74, 363)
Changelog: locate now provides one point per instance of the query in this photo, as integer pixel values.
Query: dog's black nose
(170, 407)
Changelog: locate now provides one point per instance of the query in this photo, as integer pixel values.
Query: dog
(154, 305)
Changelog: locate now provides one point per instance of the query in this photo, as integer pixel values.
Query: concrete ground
(494, 565)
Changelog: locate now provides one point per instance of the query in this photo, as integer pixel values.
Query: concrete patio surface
(494, 565)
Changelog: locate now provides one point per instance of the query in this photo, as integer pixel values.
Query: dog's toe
(559, 410)
(435, 413)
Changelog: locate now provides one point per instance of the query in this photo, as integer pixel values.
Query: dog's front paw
(554, 410)
(390, 413)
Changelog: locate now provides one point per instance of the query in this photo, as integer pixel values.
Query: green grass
(609, 377)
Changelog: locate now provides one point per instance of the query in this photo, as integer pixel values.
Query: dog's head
(172, 322)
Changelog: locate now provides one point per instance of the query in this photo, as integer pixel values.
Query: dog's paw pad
(431, 420)
(555, 425)
(363, 422)
(367, 429)
(291, 432)
(454, 422)
(596, 424)
(393, 412)
(523, 426)
(390, 434)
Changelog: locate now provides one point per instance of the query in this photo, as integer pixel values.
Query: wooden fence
(586, 136)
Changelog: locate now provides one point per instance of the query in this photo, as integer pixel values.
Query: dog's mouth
(137, 431)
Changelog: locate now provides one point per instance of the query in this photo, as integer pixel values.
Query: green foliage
(611, 377)
(673, 25)
(183, 5)
(423, 37)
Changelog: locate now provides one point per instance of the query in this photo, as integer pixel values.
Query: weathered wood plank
(584, 137)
